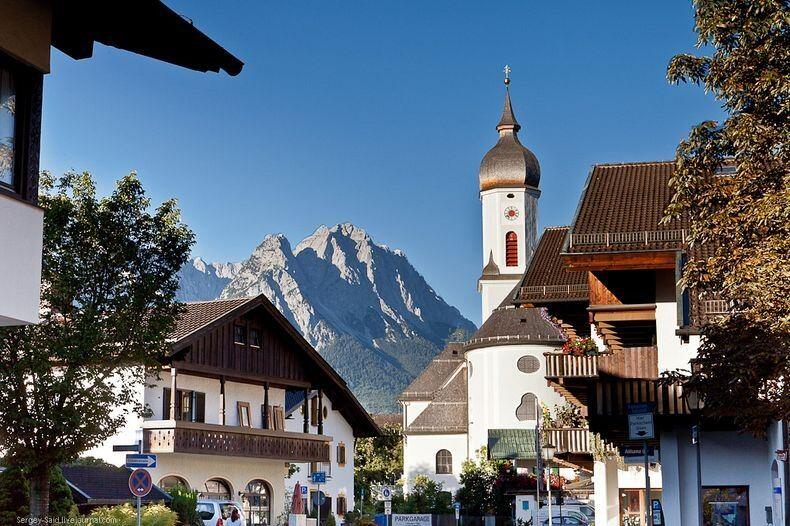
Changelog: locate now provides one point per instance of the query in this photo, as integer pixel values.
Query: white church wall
(419, 458)
(492, 294)
(496, 388)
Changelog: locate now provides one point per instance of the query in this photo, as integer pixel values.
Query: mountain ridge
(364, 307)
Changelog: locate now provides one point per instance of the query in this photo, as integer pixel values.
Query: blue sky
(378, 113)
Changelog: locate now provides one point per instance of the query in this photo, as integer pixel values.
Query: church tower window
(511, 249)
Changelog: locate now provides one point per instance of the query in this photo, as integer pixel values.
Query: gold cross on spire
(507, 74)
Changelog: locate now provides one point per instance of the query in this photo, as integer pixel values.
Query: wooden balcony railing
(568, 439)
(175, 436)
(646, 237)
(555, 291)
(560, 365)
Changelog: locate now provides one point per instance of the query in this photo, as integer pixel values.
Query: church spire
(508, 120)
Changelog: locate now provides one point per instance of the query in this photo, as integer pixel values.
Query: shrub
(184, 503)
(126, 515)
(330, 521)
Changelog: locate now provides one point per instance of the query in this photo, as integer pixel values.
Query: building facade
(216, 409)
(28, 29)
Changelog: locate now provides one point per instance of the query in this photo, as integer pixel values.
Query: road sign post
(641, 427)
(318, 478)
(140, 485)
(386, 494)
(457, 506)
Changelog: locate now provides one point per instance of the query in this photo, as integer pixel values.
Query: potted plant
(581, 347)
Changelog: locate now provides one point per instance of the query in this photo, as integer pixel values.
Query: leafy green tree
(109, 278)
(378, 460)
(426, 496)
(60, 500)
(740, 222)
(477, 479)
(14, 495)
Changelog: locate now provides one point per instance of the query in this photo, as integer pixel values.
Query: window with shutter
(166, 404)
(200, 407)
(314, 411)
(341, 454)
(511, 249)
(341, 505)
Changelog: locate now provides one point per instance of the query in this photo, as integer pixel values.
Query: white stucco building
(219, 416)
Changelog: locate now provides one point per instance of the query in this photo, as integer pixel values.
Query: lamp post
(548, 454)
(696, 404)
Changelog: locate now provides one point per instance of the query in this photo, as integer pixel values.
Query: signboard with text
(411, 519)
(640, 421)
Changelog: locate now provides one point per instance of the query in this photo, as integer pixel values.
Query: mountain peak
(362, 305)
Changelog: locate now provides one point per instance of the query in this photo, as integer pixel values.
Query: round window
(528, 364)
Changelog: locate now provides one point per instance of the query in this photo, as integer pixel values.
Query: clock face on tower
(511, 213)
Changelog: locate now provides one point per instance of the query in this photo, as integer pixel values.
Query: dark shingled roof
(623, 203)
(200, 313)
(515, 325)
(105, 485)
(434, 375)
(447, 413)
(387, 419)
(546, 278)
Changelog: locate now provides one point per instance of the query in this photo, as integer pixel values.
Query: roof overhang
(649, 259)
(146, 27)
(512, 444)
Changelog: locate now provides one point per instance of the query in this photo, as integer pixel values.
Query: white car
(568, 517)
(217, 512)
(585, 509)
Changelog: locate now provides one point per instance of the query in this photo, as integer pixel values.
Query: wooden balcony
(560, 366)
(175, 436)
(568, 439)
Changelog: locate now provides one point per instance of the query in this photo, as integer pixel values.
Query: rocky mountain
(361, 304)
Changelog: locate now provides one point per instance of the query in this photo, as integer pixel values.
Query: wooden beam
(620, 260)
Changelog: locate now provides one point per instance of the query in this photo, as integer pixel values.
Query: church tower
(509, 178)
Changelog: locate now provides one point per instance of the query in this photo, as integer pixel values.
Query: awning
(147, 27)
(511, 444)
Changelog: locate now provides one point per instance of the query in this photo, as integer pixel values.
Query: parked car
(217, 512)
(565, 520)
(585, 509)
(575, 518)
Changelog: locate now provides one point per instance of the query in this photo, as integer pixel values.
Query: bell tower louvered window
(511, 249)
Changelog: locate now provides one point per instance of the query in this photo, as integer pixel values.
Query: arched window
(216, 489)
(256, 503)
(169, 482)
(444, 462)
(511, 249)
(526, 410)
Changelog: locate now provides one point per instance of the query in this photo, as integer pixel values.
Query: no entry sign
(140, 483)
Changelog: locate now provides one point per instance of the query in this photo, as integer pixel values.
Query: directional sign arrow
(141, 461)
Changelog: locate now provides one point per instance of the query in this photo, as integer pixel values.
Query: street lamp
(696, 404)
(548, 454)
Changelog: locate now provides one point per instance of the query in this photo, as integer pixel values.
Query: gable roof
(104, 485)
(434, 375)
(621, 208)
(547, 278)
(202, 316)
(447, 412)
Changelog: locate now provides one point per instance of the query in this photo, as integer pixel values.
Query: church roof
(509, 163)
(434, 375)
(491, 268)
(447, 413)
(516, 325)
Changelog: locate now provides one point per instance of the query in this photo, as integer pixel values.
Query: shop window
(216, 489)
(725, 505)
(169, 482)
(256, 503)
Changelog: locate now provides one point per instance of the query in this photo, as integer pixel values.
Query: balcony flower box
(581, 347)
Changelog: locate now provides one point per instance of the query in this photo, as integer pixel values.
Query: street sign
(457, 506)
(127, 447)
(318, 477)
(386, 493)
(387, 507)
(636, 455)
(640, 421)
(137, 460)
(303, 490)
(140, 483)
(657, 514)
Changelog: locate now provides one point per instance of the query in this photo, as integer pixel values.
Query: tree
(109, 278)
(184, 503)
(378, 460)
(739, 232)
(427, 496)
(60, 500)
(14, 495)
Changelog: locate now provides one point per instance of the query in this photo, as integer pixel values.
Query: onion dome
(509, 163)
(491, 269)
